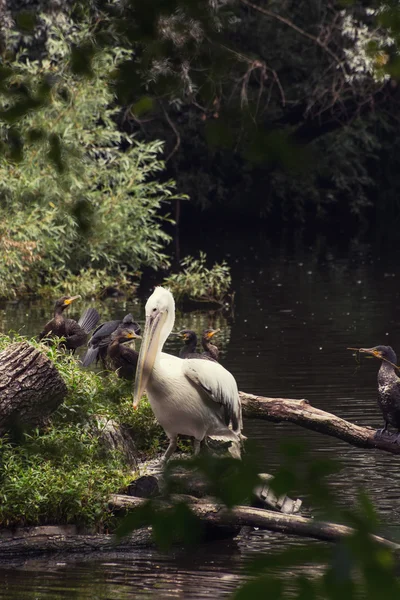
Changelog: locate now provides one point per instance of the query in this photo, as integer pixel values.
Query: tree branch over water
(300, 412)
(217, 514)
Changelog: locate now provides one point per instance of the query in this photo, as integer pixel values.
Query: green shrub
(197, 282)
(82, 196)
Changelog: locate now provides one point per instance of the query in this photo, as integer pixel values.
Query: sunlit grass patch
(62, 473)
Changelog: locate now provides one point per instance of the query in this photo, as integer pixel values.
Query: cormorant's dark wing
(75, 336)
(89, 319)
(90, 356)
(130, 356)
(100, 339)
(51, 329)
(104, 330)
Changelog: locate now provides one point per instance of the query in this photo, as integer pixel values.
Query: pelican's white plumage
(188, 396)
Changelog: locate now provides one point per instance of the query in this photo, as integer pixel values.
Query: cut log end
(31, 388)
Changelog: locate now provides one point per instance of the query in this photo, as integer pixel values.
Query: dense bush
(77, 196)
(197, 282)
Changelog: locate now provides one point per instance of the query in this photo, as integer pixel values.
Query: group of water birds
(190, 395)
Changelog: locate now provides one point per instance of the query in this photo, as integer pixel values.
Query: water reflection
(296, 312)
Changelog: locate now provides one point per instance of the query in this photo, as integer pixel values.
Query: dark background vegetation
(281, 111)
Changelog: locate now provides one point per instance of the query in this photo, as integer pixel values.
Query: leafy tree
(78, 197)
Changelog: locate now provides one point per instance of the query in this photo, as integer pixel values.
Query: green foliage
(81, 197)
(197, 282)
(63, 474)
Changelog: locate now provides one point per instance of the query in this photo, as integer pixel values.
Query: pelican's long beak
(148, 352)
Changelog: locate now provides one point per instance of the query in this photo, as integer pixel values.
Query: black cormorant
(101, 337)
(75, 333)
(188, 350)
(388, 386)
(210, 349)
(123, 359)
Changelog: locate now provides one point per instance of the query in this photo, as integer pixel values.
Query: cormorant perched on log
(75, 333)
(123, 359)
(101, 337)
(210, 349)
(388, 387)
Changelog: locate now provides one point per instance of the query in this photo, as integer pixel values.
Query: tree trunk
(31, 388)
(116, 437)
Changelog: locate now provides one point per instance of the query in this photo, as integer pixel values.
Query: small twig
(292, 25)
(379, 357)
(175, 130)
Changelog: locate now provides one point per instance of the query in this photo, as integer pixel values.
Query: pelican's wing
(219, 384)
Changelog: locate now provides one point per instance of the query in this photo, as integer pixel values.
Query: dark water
(297, 309)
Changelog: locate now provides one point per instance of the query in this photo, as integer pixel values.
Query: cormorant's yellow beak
(212, 333)
(148, 352)
(68, 301)
(372, 351)
(133, 336)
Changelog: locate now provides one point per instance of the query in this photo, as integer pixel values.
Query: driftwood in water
(217, 514)
(38, 540)
(151, 485)
(300, 412)
(31, 388)
(32, 541)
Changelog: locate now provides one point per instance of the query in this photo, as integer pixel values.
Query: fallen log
(31, 388)
(300, 412)
(218, 515)
(32, 541)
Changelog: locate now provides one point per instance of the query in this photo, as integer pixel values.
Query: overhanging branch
(300, 412)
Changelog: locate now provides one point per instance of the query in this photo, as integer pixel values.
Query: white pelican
(188, 396)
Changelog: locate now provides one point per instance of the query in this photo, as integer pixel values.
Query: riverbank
(64, 472)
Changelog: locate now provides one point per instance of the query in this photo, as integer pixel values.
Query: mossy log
(300, 412)
(31, 388)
